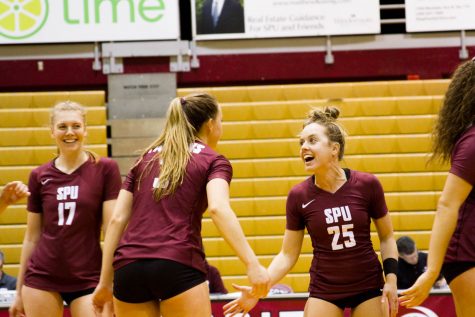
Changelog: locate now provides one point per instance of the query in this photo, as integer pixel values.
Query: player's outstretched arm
(12, 192)
(287, 257)
(241, 305)
(455, 192)
(120, 218)
(227, 223)
(279, 267)
(388, 251)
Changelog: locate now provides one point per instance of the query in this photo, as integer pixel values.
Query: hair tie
(182, 101)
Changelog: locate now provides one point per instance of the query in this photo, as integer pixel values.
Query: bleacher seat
(42, 136)
(389, 125)
(36, 155)
(401, 88)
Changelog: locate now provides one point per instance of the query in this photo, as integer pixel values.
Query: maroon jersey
(344, 261)
(462, 244)
(170, 228)
(68, 256)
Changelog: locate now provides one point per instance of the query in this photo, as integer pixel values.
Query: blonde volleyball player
(153, 251)
(71, 197)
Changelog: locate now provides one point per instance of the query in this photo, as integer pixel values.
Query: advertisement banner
(60, 21)
(242, 19)
(436, 305)
(439, 15)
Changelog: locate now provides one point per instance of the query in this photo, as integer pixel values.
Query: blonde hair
(184, 119)
(327, 117)
(69, 105)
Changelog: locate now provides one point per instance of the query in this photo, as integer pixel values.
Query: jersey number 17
(71, 206)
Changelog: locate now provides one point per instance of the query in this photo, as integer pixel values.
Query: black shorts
(68, 297)
(355, 300)
(154, 279)
(453, 269)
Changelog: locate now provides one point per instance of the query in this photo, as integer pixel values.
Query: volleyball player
(336, 206)
(153, 246)
(452, 242)
(71, 197)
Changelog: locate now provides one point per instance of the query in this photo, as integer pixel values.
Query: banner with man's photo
(245, 19)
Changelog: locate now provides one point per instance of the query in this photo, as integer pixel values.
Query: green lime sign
(62, 21)
(21, 19)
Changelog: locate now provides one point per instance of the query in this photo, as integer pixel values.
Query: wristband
(390, 266)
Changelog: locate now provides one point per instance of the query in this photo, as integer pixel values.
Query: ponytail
(172, 148)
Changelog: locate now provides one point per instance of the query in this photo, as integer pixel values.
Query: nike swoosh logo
(305, 205)
(43, 182)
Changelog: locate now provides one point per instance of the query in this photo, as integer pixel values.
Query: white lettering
(60, 196)
(74, 192)
(71, 206)
(336, 213)
(333, 215)
(335, 231)
(67, 192)
(346, 213)
(155, 182)
(328, 215)
(197, 148)
(347, 233)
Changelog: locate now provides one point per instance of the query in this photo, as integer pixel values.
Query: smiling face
(68, 130)
(316, 149)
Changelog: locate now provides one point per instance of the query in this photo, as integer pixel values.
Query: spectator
(412, 263)
(215, 282)
(6, 281)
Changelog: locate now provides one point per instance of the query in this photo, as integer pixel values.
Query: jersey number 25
(348, 236)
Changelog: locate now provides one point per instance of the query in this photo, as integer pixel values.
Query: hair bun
(328, 114)
(332, 112)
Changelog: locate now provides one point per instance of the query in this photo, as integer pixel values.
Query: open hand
(243, 304)
(415, 295)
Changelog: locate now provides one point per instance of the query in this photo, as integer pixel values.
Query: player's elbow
(216, 209)
(219, 208)
(118, 218)
(290, 258)
(447, 206)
